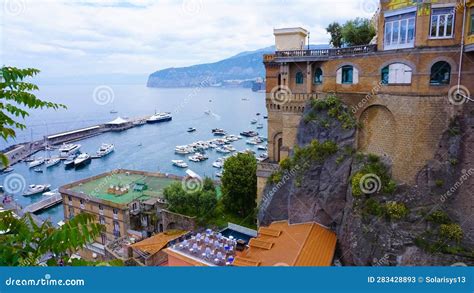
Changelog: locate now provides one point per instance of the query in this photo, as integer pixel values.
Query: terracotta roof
(156, 243)
(282, 244)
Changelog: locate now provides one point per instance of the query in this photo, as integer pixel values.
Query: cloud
(141, 36)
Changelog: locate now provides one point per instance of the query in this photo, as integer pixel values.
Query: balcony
(322, 54)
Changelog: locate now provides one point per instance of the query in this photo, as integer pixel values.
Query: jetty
(46, 203)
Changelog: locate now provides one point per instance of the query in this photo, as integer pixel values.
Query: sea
(149, 147)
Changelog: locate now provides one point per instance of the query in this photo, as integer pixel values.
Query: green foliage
(439, 217)
(24, 243)
(16, 96)
(355, 184)
(454, 162)
(335, 109)
(335, 30)
(200, 204)
(374, 208)
(359, 31)
(373, 165)
(239, 184)
(396, 211)
(439, 183)
(451, 232)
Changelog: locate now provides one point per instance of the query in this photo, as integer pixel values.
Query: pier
(44, 204)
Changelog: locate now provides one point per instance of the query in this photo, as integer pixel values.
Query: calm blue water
(157, 141)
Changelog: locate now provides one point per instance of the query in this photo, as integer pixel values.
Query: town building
(404, 88)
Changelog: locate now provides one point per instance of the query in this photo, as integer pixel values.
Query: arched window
(396, 73)
(440, 73)
(347, 74)
(318, 76)
(299, 77)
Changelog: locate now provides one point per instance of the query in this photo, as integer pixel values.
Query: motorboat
(179, 163)
(219, 132)
(252, 142)
(69, 162)
(139, 123)
(36, 163)
(68, 149)
(262, 147)
(38, 170)
(219, 174)
(260, 126)
(254, 121)
(265, 117)
(105, 149)
(82, 160)
(36, 189)
(198, 158)
(51, 162)
(183, 150)
(249, 133)
(191, 129)
(160, 117)
(222, 150)
(7, 170)
(219, 163)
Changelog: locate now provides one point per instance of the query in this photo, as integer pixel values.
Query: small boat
(245, 99)
(183, 150)
(159, 117)
(249, 134)
(82, 160)
(265, 117)
(222, 150)
(258, 114)
(38, 170)
(219, 174)
(105, 149)
(198, 158)
(36, 189)
(191, 129)
(219, 132)
(113, 111)
(36, 163)
(253, 121)
(179, 163)
(7, 170)
(252, 142)
(69, 163)
(51, 162)
(262, 147)
(139, 123)
(260, 126)
(219, 163)
(208, 112)
(68, 149)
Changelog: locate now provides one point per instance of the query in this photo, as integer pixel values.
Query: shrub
(355, 183)
(439, 217)
(452, 232)
(373, 207)
(439, 183)
(396, 211)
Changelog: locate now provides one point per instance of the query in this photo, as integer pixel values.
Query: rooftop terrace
(122, 187)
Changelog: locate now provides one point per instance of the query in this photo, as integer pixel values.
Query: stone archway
(277, 145)
(378, 134)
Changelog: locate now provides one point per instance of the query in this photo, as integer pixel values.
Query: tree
(16, 96)
(335, 30)
(24, 243)
(239, 184)
(199, 204)
(359, 31)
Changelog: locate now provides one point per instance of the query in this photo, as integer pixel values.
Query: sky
(74, 38)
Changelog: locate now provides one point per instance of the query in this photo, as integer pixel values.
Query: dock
(44, 204)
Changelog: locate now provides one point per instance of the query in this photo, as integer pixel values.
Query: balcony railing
(322, 53)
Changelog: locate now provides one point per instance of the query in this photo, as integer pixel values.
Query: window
(115, 211)
(347, 74)
(116, 229)
(400, 31)
(396, 73)
(440, 73)
(471, 31)
(103, 238)
(318, 76)
(101, 208)
(442, 23)
(102, 220)
(299, 78)
(69, 198)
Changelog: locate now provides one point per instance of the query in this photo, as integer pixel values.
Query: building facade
(403, 88)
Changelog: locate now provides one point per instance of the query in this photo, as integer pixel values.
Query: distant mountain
(241, 67)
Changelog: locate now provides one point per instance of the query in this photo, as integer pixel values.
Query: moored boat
(179, 163)
(249, 133)
(68, 149)
(219, 132)
(105, 149)
(36, 189)
(159, 117)
(36, 163)
(51, 162)
(191, 129)
(82, 160)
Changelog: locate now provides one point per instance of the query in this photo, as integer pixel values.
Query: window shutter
(339, 76)
(355, 76)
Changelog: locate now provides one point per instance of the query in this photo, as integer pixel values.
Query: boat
(258, 114)
(69, 163)
(265, 117)
(262, 147)
(105, 149)
(113, 111)
(139, 123)
(36, 163)
(68, 149)
(183, 150)
(159, 117)
(7, 170)
(254, 121)
(36, 189)
(179, 163)
(38, 170)
(260, 126)
(219, 132)
(82, 160)
(222, 150)
(249, 133)
(198, 157)
(208, 112)
(252, 142)
(191, 129)
(51, 162)
(219, 163)
(219, 174)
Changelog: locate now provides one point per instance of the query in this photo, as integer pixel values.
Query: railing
(327, 52)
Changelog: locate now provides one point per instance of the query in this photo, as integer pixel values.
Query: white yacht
(105, 149)
(219, 163)
(36, 163)
(160, 117)
(254, 121)
(252, 142)
(198, 158)
(82, 160)
(68, 149)
(260, 126)
(222, 150)
(36, 189)
(51, 162)
(179, 163)
(262, 147)
(183, 150)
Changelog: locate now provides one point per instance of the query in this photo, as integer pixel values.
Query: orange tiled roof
(282, 244)
(156, 243)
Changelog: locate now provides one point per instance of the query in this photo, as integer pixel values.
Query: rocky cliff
(377, 221)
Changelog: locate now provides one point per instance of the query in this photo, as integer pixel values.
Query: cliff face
(391, 225)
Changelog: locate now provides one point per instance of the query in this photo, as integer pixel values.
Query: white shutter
(355, 76)
(339, 76)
